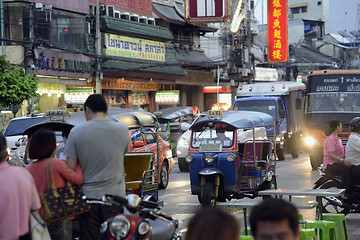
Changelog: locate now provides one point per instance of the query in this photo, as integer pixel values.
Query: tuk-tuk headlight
(119, 227)
(209, 158)
(231, 157)
(144, 228)
(189, 158)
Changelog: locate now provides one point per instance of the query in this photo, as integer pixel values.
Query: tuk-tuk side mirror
(298, 103)
(17, 143)
(184, 126)
(139, 144)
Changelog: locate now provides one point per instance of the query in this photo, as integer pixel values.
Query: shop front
(62, 78)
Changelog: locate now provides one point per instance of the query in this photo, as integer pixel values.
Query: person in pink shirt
(334, 154)
(17, 198)
(43, 148)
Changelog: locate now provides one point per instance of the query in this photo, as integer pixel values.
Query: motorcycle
(141, 219)
(350, 204)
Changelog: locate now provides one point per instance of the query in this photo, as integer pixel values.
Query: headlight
(169, 153)
(231, 157)
(144, 228)
(309, 141)
(9, 151)
(209, 158)
(278, 138)
(119, 227)
(189, 158)
(183, 141)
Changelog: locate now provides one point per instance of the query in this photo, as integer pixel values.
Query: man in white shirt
(352, 149)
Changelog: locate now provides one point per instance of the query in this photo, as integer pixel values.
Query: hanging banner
(128, 47)
(277, 31)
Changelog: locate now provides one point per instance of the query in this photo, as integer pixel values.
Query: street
(291, 174)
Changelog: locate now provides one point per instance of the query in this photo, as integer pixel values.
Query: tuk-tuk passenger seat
(246, 151)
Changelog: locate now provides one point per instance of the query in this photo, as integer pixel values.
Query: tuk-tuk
(174, 121)
(141, 175)
(223, 166)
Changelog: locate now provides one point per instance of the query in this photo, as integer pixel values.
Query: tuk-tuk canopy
(236, 119)
(173, 113)
(133, 118)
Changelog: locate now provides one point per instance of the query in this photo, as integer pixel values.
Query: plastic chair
(327, 229)
(245, 237)
(340, 222)
(301, 220)
(308, 234)
(248, 230)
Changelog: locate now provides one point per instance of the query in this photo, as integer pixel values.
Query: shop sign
(266, 74)
(139, 98)
(139, 6)
(128, 47)
(49, 88)
(45, 58)
(277, 31)
(206, 11)
(167, 97)
(121, 84)
(78, 95)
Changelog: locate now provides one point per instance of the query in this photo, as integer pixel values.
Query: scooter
(351, 204)
(141, 219)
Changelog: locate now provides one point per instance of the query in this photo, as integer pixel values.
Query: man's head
(275, 219)
(3, 149)
(94, 105)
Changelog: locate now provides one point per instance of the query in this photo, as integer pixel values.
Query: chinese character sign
(122, 46)
(277, 31)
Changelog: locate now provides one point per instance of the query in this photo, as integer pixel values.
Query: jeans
(90, 222)
(61, 230)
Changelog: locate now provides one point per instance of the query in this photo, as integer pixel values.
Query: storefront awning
(168, 14)
(195, 58)
(135, 29)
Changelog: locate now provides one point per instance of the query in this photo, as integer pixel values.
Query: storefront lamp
(49, 94)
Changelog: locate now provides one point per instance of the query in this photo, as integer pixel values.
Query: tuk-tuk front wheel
(207, 196)
(270, 185)
(164, 176)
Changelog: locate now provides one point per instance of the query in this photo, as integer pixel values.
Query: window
(304, 9)
(319, 3)
(282, 114)
(150, 137)
(295, 10)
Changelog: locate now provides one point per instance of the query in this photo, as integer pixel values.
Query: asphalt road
(291, 174)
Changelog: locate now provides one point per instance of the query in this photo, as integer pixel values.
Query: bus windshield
(333, 102)
(265, 106)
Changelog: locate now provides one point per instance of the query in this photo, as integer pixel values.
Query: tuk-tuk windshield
(213, 136)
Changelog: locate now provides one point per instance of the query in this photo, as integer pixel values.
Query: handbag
(61, 203)
(38, 229)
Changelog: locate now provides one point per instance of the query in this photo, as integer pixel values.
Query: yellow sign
(214, 113)
(128, 47)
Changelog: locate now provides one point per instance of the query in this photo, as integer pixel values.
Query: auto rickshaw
(174, 121)
(141, 175)
(222, 166)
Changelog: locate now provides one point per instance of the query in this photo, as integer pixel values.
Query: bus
(330, 94)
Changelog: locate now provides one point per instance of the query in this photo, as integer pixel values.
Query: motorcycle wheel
(281, 152)
(183, 165)
(269, 185)
(207, 198)
(328, 206)
(164, 176)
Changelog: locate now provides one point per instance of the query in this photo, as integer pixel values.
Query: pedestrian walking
(212, 224)
(17, 198)
(42, 147)
(99, 145)
(275, 219)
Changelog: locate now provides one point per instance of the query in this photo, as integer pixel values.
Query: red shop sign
(277, 31)
(206, 11)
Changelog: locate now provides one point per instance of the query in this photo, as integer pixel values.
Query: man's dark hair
(97, 103)
(274, 210)
(42, 144)
(3, 148)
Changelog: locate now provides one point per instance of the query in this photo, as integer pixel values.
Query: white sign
(266, 74)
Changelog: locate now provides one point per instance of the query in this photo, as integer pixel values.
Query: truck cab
(284, 101)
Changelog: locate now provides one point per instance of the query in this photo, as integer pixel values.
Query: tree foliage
(15, 85)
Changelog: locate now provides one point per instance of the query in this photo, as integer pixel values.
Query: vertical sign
(277, 31)
(206, 11)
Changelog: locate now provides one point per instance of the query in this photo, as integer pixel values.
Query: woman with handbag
(51, 173)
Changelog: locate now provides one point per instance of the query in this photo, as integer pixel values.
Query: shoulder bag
(61, 203)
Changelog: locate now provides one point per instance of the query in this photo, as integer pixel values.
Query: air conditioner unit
(110, 11)
(143, 19)
(151, 21)
(117, 14)
(39, 5)
(134, 17)
(125, 15)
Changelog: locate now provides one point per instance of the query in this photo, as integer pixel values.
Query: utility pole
(98, 48)
(2, 27)
(248, 43)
